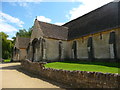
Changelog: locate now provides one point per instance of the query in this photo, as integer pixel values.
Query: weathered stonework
(50, 51)
(118, 42)
(75, 79)
(19, 50)
(82, 50)
(101, 46)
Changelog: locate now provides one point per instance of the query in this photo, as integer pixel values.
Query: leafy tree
(24, 32)
(7, 46)
(14, 38)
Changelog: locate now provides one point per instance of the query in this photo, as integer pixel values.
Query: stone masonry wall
(101, 46)
(118, 42)
(75, 79)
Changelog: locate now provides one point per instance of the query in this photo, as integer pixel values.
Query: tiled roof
(101, 19)
(54, 31)
(23, 42)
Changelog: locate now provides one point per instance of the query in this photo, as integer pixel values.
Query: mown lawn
(6, 60)
(86, 66)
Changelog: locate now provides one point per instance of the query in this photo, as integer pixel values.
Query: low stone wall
(76, 79)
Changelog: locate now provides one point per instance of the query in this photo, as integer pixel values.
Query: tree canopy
(7, 46)
(24, 32)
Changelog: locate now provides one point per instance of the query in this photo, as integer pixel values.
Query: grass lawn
(6, 60)
(85, 66)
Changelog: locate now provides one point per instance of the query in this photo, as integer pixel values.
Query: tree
(24, 32)
(7, 46)
(14, 38)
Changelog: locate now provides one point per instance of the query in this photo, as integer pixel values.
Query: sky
(20, 14)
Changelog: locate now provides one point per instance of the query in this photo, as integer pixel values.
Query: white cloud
(10, 38)
(8, 29)
(44, 0)
(85, 7)
(40, 0)
(11, 19)
(23, 4)
(48, 20)
(44, 19)
(6, 24)
(4, 27)
(116, 0)
(58, 23)
(22, 0)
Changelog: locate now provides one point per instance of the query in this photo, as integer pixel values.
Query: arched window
(28, 48)
(34, 48)
(74, 50)
(43, 49)
(60, 50)
(90, 48)
(101, 36)
(112, 38)
(112, 45)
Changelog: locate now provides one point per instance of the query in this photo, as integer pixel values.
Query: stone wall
(101, 46)
(23, 54)
(75, 79)
(15, 57)
(99, 50)
(36, 33)
(19, 55)
(82, 52)
(118, 43)
(52, 52)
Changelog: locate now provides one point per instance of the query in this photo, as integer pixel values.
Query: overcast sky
(19, 14)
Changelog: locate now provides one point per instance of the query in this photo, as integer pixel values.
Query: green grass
(7, 60)
(86, 66)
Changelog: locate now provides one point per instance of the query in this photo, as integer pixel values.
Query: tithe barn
(93, 36)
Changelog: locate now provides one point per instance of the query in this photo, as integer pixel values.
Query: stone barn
(48, 42)
(96, 35)
(93, 36)
(19, 50)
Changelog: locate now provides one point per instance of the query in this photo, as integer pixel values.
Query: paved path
(14, 77)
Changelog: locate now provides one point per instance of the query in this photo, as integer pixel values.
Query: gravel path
(14, 77)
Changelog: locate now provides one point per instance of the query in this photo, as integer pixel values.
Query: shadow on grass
(109, 64)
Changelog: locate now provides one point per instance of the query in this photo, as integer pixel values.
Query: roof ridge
(87, 13)
(52, 24)
(53, 31)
